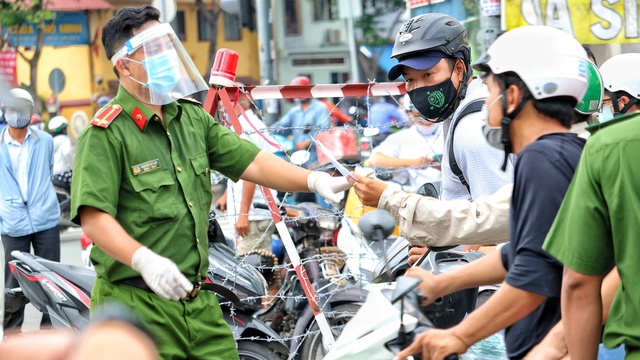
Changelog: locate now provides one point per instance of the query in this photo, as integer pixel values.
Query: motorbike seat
(80, 276)
(66, 186)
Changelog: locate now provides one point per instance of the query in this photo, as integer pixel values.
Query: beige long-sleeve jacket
(428, 221)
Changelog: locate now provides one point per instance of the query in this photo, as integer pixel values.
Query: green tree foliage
(18, 13)
(376, 33)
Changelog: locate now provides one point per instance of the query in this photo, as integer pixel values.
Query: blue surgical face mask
(493, 134)
(163, 71)
(18, 119)
(605, 114)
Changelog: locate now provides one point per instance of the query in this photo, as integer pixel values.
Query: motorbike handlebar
(262, 206)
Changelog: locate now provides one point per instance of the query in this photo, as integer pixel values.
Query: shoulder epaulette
(190, 100)
(104, 118)
(595, 127)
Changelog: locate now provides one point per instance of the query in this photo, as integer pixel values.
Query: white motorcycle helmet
(549, 61)
(19, 98)
(57, 124)
(622, 73)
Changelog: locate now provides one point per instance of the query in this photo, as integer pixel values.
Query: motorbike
(64, 291)
(444, 312)
(388, 322)
(364, 253)
(313, 231)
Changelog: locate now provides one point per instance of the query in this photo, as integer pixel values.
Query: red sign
(8, 72)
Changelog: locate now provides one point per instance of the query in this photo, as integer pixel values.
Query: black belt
(138, 282)
(631, 349)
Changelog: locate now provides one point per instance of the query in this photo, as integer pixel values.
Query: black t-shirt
(543, 172)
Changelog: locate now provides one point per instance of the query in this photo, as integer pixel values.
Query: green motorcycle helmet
(592, 100)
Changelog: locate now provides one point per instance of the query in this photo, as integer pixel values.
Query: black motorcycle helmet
(430, 32)
(426, 39)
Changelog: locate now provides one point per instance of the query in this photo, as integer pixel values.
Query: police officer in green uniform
(141, 188)
(598, 225)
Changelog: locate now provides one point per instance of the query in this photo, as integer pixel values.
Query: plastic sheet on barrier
(341, 143)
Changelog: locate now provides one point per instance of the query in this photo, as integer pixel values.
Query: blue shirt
(35, 209)
(383, 114)
(19, 154)
(304, 123)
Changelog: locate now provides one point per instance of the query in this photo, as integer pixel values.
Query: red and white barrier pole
(222, 74)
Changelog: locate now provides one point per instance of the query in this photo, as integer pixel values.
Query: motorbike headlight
(328, 222)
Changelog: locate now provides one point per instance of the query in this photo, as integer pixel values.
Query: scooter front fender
(245, 326)
(335, 297)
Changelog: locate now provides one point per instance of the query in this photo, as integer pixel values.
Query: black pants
(46, 244)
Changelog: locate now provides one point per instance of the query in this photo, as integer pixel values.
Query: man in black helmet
(434, 59)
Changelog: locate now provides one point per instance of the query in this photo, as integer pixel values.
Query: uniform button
(199, 276)
(138, 117)
(197, 241)
(190, 203)
(168, 133)
(206, 171)
(179, 169)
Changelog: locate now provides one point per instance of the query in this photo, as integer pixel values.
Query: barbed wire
(360, 257)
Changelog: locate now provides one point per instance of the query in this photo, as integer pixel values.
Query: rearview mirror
(370, 131)
(300, 157)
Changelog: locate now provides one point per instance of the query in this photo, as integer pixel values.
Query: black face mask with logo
(435, 102)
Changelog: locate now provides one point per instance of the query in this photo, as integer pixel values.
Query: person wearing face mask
(622, 88)
(141, 188)
(535, 75)
(29, 211)
(434, 59)
(412, 149)
(306, 118)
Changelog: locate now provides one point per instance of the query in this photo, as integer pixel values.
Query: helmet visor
(164, 72)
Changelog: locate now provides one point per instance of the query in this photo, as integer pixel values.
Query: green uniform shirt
(154, 179)
(598, 222)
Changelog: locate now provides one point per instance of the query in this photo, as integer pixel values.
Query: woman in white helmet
(535, 75)
(62, 149)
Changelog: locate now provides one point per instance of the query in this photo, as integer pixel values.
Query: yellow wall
(247, 47)
(75, 63)
(82, 68)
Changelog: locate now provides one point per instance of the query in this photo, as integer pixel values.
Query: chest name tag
(146, 167)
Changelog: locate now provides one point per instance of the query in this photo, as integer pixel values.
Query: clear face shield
(165, 72)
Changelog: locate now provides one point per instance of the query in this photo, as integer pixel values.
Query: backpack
(474, 106)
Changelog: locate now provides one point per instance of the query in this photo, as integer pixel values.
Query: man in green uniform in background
(141, 187)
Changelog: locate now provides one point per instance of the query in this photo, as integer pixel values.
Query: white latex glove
(327, 186)
(161, 274)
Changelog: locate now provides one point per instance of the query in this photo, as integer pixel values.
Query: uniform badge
(146, 167)
(139, 118)
(106, 116)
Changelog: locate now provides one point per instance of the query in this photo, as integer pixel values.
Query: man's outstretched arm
(429, 221)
